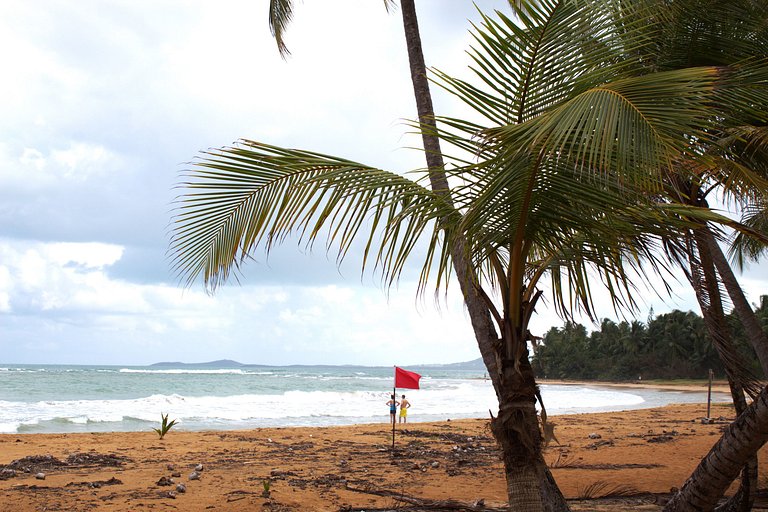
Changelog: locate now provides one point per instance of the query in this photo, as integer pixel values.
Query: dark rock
(164, 481)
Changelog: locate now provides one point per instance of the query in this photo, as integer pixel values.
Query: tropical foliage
(674, 345)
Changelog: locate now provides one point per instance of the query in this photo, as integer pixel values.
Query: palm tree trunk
(740, 441)
(530, 484)
(703, 279)
(480, 316)
(757, 337)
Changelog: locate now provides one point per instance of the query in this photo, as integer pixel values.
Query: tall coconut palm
(551, 187)
(280, 14)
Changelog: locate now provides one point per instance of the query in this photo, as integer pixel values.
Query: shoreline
(647, 395)
(718, 386)
(316, 468)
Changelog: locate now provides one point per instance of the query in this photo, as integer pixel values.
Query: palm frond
(280, 16)
(254, 195)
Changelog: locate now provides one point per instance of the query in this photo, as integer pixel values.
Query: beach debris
(168, 494)
(598, 444)
(199, 468)
(176, 474)
(603, 489)
(276, 474)
(660, 439)
(92, 459)
(97, 484)
(40, 476)
(595, 435)
(561, 460)
(238, 495)
(194, 475)
(164, 481)
(36, 463)
(170, 467)
(424, 503)
(181, 488)
(42, 464)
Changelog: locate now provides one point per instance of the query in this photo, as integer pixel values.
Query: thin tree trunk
(530, 483)
(740, 441)
(479, 315)
(757, 337)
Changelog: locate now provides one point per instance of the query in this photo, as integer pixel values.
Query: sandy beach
(638, 454)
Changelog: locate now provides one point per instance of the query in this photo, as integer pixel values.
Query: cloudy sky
(103, 102)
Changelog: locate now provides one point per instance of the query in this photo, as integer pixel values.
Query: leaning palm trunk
(755, 334)
(740, 441)
(530, 485)
(480, 317)
(703, 279)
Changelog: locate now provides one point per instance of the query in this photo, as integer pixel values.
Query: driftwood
(422, 504)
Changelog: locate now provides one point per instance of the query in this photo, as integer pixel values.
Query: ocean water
(37, 398)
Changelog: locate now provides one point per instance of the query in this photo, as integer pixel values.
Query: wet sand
(636, 455)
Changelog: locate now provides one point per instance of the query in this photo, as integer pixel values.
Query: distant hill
(476, 364)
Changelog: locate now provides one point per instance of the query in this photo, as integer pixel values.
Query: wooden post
(709, 393)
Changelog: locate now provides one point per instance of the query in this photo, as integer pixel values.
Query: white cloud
(68, 287)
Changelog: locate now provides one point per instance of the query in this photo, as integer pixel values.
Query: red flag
(405, 379)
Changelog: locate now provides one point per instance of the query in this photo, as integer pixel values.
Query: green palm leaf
(256, 195)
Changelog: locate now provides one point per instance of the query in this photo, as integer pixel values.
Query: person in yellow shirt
(404, 406)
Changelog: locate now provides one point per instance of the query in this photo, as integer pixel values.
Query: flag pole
(394, 395)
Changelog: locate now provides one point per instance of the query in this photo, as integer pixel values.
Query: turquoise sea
(57, 398)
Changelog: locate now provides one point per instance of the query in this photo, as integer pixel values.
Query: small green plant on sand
(165, 425)
(266, 483)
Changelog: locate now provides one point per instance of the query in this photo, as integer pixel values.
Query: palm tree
(553, 186)
(479, 313)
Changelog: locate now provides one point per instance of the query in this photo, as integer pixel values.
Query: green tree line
(674, 345)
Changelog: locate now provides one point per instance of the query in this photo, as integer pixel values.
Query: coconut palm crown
(556, 180)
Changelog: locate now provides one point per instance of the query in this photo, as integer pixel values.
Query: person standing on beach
(392, 408)
(404, 406)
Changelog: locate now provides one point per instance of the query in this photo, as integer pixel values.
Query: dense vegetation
(673, 345)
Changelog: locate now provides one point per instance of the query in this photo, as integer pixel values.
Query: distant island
(475, 364)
